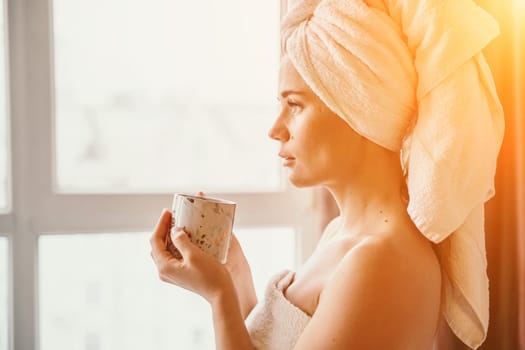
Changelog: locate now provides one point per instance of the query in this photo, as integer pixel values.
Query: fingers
(200, 194)
(234, 242)
(182, 242)
(158, 239)
(163, 225)
(234, 238)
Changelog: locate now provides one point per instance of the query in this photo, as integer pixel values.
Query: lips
(288, 160)
(286, 156)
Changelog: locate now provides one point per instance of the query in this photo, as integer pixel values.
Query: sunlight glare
(519, 7)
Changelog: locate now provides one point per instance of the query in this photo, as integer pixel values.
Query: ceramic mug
(207, 221)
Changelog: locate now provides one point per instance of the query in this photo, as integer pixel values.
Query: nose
(279, 131)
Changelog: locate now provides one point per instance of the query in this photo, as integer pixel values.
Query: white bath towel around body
(275, 323)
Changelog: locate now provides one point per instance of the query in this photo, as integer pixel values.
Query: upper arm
(373, 301)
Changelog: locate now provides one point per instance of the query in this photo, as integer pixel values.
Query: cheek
(333, 151)
(325, 159)
(316, 159)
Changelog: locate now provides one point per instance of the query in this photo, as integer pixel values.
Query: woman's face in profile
(316, 145)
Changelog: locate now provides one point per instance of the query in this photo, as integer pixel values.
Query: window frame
(36, 209)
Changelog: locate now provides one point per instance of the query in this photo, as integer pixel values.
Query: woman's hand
(195, 271)
(202, 274)
(241, 274)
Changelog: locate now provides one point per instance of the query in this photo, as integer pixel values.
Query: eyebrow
(285, 93)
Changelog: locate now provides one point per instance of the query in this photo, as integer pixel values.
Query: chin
(300, 181)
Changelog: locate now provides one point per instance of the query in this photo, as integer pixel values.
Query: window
(100, 140)
(4, 306)
(160, 94)
(4, 188)
(4, 141)
(111, 281)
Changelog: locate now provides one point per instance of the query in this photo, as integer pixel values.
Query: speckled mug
(207, 221)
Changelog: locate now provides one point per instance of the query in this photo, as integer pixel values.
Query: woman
(381, 106)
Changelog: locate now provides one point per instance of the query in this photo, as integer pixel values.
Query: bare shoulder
(384, 293)
(387, 259)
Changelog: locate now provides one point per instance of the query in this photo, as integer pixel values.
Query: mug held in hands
(207, 221)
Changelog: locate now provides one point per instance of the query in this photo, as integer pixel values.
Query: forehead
(289, 78)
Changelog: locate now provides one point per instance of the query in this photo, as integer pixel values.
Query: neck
(372, 201)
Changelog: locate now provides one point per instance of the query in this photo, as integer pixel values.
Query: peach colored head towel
(410, 76)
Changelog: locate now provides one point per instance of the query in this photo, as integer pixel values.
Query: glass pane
(268, 250)
(102, 292)
(4, 143)
(166, 95)
(3, 293)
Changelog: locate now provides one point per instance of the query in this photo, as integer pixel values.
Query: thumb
(182, 242)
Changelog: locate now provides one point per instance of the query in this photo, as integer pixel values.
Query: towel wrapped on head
(410, 76)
